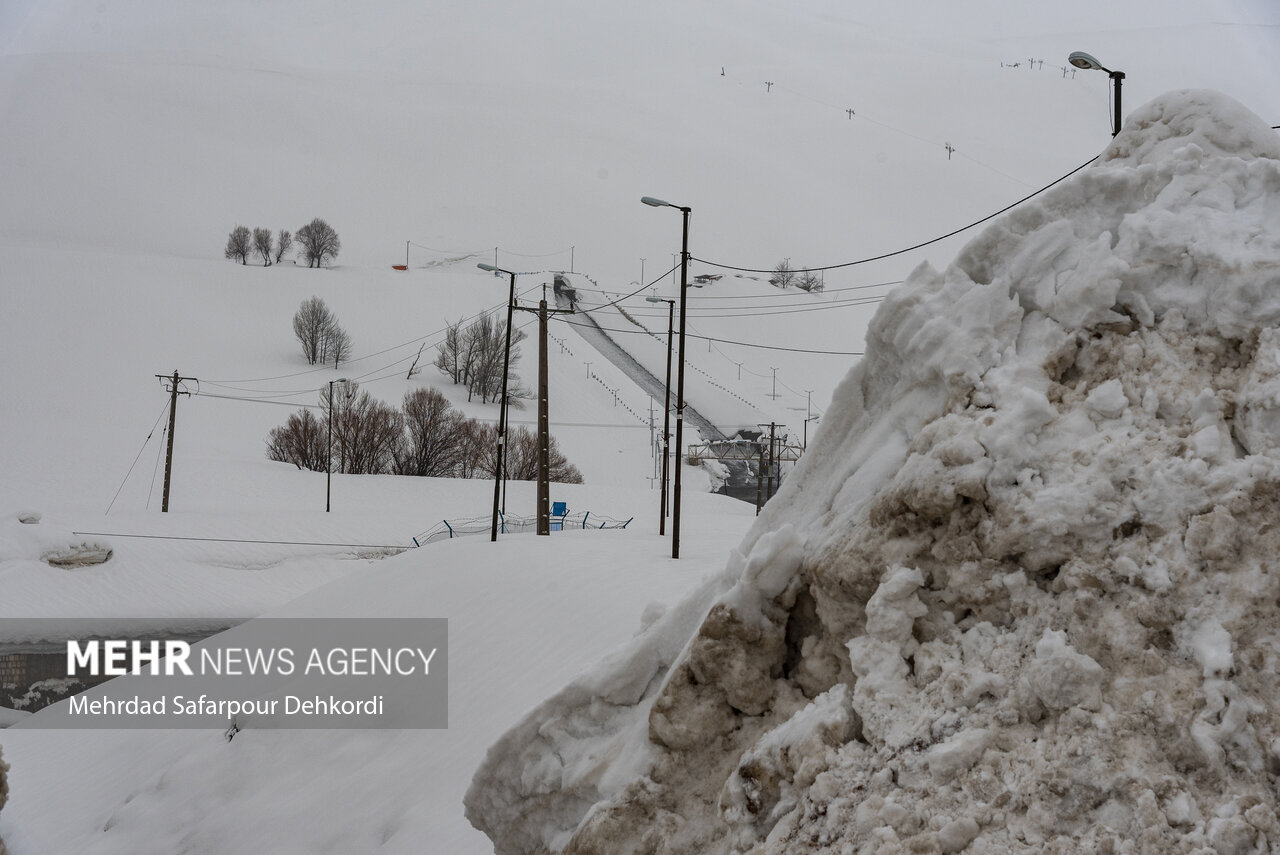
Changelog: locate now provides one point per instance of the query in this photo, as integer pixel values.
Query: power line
(726, 341)
(150, 433)
(919, 245)
(783, 293)
(239, 540)
(747, 313)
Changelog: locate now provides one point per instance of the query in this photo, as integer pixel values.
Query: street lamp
(502, 404)
(805, 447)
(684, 290)
(666, 412)
(344, 387)
(1080, 59)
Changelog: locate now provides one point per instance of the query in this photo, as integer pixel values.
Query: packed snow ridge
(1021, 596)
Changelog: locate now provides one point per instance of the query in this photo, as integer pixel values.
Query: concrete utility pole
(759, 478)
(773, 459)
(175, 382)
(544, 426)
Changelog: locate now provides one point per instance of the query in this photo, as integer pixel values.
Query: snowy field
(139, 133)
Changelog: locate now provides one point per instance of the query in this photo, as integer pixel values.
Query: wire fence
(513, 524)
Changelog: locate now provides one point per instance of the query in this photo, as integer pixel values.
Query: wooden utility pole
(174, 390)
(544, 420)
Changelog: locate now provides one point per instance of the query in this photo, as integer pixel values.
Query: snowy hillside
(1021, 595)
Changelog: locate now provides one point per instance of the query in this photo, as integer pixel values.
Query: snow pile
(4, 793)
(1021, 597)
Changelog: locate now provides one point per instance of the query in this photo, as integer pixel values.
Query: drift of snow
(1020, 596)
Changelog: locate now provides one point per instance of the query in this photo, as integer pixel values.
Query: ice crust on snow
(1020, 596)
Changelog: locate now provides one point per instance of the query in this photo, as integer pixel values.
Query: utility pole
(175, 382)
(773, 458)
(544, 426)
(766, 465)
(759, 477)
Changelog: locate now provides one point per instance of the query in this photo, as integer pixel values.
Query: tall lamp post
(343, 388)
(684, 289)
(502, 403)
(1080, 59)
(666, 412)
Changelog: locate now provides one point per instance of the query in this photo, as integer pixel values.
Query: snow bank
(1021, 596)
(4, 793)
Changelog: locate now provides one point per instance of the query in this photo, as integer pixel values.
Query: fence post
(446, 525)
(584, 519)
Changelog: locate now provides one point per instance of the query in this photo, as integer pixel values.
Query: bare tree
(477, 449)
(783, 274)
(311, 323)
(414, 369)
(367, 434)
(448, 353)
(301, 441)
(262, 245)
(284, 242)
(319, 242)
(238, 245)
(522, 459)
(432, 444)
(335, 346)
(474, 356)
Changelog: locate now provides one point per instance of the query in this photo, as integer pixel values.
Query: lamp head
(487, 267)
(1080, 59)
(655, 203)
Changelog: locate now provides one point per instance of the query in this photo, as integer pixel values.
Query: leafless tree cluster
(242, 243)
(317, 243)
(322, 338)
(473, 356)
(786, 276)
(426, 437)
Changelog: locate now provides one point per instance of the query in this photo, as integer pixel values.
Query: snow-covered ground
(138, 133)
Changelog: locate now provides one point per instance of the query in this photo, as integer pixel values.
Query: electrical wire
(746, 313)
(783, 293)
(155, 469)
(240, 540)
(916, 246)
(627, 296)
(562, 320)
(150, 433)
